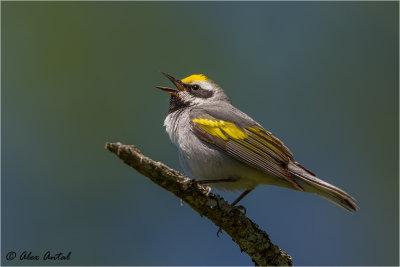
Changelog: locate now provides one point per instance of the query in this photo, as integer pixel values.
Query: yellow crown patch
(195, 78)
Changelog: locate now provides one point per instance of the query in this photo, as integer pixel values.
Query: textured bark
(250, 238)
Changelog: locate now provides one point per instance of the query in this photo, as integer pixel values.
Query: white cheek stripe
(186, 97)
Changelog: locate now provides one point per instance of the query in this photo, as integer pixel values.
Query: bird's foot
(219, 231)
(242, 208)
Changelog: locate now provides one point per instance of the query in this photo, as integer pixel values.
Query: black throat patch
(175, 103)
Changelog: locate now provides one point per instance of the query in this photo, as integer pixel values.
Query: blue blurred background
(322, 76)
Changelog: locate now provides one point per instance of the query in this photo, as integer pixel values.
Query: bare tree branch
(244, 232)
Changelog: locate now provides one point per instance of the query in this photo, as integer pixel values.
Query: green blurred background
(322, 76)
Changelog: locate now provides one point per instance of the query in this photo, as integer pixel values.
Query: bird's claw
(242, 208)
(219, 231)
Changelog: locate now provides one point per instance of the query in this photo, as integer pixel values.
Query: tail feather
(310, 183)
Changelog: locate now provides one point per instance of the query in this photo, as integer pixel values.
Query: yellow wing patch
(220, 128)
(195, 78)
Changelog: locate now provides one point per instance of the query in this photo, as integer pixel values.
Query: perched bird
(220, 145)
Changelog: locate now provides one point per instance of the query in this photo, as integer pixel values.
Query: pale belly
(203, 161)
(209, 163)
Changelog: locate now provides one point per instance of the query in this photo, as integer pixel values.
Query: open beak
(176, 82)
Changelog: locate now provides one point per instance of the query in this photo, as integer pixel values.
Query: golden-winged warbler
(220, 145)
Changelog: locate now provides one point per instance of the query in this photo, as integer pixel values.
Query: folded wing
(244, 140)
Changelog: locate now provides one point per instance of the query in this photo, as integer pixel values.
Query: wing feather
(255, 157)
(239, 136)
(249, 143)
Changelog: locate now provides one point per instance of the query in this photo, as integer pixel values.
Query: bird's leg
(245, 193)
(217, 181)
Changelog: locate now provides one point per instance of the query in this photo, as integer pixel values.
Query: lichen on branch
(250, 238)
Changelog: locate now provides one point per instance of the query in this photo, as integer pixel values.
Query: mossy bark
(250, 238)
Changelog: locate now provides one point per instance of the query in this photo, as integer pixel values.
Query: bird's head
(196, 89)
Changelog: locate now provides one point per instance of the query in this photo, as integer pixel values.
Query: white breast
(203, 161)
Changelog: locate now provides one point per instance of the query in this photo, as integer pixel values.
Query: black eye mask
(196, 91)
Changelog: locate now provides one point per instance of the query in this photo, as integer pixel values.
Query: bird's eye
(195, 87)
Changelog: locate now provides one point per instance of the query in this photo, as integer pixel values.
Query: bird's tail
(310, 183)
